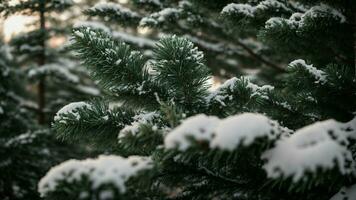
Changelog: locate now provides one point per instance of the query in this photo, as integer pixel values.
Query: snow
(230, 83)
(88, 90)
(251, 11)
(159, 17)
(106, 194)
(346, 193)
(319, 75)
(29, 48)
(324, 10)
(321, 145)
(155, 2)
(54, 69)
(68, 2)
(199, 128)
(5, 51)
(91, 24)
(142, 118)
(109, 169)
(108, 6)
(299, 20)
(225, 134)
(244, 129)
(226, 90)
(244, 9)
(272, 4)
(118, 62)
(139, 41)
(79, 34)
(70, 109)
(221, 93)
(21, 139)
(217, 47)
(274, 21)
(259, 90)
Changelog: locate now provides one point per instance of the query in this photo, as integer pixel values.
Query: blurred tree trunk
(41, 62)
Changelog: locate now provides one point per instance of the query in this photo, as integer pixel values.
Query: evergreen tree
(26, 150)
(58, 77)
(172, 138)
(229, 50)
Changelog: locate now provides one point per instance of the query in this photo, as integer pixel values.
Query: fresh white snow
(142, 118)
(224, 92)
(156, 2)
(109, 6)
(225, 134)
(321, 145)
(251, 11)
(298, 20)
(244, 9)
(319, 75)
(243, 129)
(72, 109)
(21, 139)
(79, 34)
(109, 169)
(159, 17)
(136, 40)
(199, 128)
(346, 193)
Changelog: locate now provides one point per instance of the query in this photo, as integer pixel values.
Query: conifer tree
(57, 77)
(26, 150)
(172, 138)
(229, 50)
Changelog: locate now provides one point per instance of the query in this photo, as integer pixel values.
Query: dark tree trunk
(354, 33)
(41, 61)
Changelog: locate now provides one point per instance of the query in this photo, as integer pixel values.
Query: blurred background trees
(38, 76)
(291, 60)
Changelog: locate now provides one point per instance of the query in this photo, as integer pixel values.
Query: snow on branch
(226, 91)
(346, 193)
(319, 75)
(225, 134)
(70, 110)
(139, 119)
(247, 10)
(93, 25)
(135, 40)
(54, 69)
(22, 139)
(154, 2)
(113, 8)
(301, 20)
(199, 128)
(104, 170)
(159, 17)
(322, 145)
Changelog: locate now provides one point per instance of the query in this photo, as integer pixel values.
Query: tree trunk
(41, 61)
(354, 32)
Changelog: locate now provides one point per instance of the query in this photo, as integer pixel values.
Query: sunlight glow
(144, 30)
(214, 83)
(123, 1)
(17, 24)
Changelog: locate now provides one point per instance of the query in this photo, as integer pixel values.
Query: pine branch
(114, 12)
(94, 123)
(115, 66)
(181, 70)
